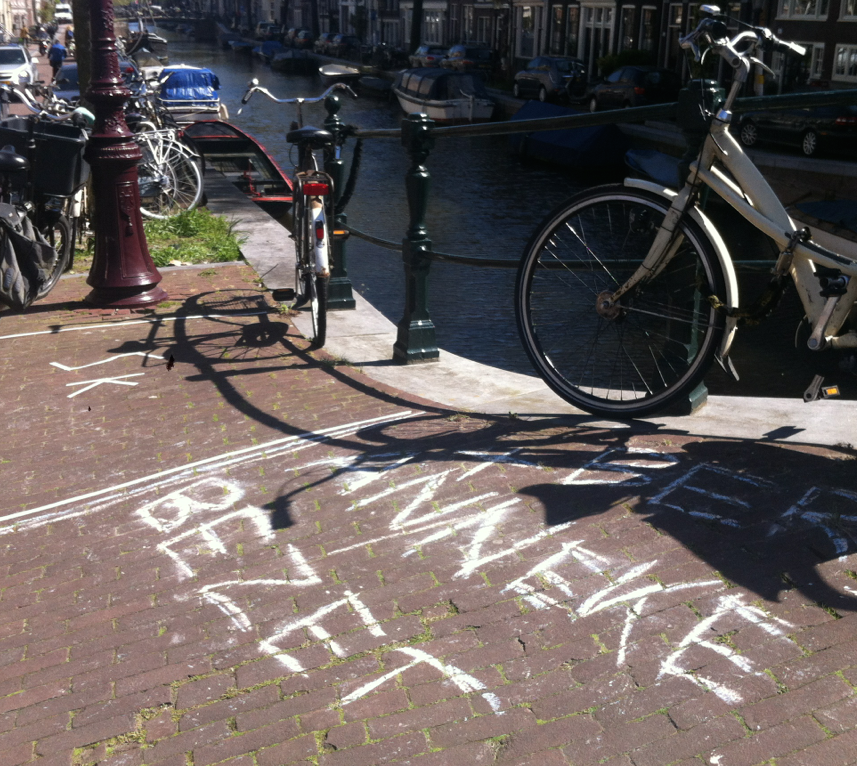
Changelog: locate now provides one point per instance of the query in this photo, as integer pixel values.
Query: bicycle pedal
(283, 295)
(817, 390)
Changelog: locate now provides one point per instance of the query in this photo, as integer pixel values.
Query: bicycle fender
(722, 252)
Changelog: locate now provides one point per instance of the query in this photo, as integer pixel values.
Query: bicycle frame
(745, 189)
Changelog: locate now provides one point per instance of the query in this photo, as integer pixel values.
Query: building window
(557, 36)
(526, 41)
(572, 35)
(845, 63)
(794, 72)
(627, 33)
(468, 22)
(597, 33)
(432, 26)
(803, 9)
(849, 10)
(483, 29)
(647, 29)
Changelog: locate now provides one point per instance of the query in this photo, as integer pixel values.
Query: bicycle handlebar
(254, 87)
(34, 107)
(713, 31)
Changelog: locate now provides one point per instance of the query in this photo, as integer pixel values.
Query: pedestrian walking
(25, 36)
(56, 55)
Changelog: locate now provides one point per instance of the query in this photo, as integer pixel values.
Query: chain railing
(416, 340)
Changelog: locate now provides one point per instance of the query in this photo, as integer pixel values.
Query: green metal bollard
(339, 294)
(416, 337)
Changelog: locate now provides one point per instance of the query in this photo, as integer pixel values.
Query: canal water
(484, 201)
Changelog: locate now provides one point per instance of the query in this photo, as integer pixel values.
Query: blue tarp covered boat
(579, 148)
(186, 91)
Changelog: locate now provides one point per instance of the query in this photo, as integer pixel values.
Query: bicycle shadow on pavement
(769, 517)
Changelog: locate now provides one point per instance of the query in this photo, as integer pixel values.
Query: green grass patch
(195, 236)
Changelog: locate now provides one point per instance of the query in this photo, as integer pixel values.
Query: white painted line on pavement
(111, 325)
(245, 453)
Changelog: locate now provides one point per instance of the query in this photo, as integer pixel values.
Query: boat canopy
(188, 86)
(433, 84)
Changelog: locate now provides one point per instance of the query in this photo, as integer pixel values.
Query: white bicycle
(627, 293)
(169, 174)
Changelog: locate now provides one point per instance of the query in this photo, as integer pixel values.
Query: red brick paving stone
(279, 754)
(204, 690)
(830, 634)
(187, 741)
(340, 737)
(628, 737)
(771, 743)
(228, 708)
(476, 754)
(697, 741)
(839, 717)
(395, 749)
(554, 734)
(806, 699)
(836, 751)
(374, 705)
(420, 718)
(481, 727)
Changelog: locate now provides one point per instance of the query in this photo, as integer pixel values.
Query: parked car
(812, 130)
(549, 77)
(66, 85)
(344, 46)
(17, 65)
(427, 55)
(303, 40)
(469, 58)
(635, 86)
(322, 41)
(268, 30)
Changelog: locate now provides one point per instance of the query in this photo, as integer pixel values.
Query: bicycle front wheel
(652, 348)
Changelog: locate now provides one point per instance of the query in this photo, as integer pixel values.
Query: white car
(16, 65)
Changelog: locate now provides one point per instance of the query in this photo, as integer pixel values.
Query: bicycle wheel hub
(605, 306)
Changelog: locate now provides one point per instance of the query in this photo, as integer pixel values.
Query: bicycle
(626, 294)
(46, 196)
(312, 206)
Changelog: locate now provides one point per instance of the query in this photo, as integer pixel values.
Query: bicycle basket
(59, 168)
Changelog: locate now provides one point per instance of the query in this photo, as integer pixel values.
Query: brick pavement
(254, 556)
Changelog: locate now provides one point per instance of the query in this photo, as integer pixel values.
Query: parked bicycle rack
(416, 333)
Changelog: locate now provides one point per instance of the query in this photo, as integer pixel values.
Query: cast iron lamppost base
(123, 273)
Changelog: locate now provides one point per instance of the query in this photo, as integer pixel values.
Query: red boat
(245, 162)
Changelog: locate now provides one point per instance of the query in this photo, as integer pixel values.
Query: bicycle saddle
(317, 138)
(10, 162)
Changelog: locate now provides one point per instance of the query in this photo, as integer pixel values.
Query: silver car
(16, 65)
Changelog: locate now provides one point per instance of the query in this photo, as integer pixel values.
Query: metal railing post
(339, 294)
(415, 340)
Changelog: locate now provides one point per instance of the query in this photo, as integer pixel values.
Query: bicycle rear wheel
(59, 237)
(656, 345)
(170, 181)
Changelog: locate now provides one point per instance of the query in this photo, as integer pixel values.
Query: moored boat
(291, 60)
(245, 162)
(188, 92)
(267, 50)
(379, 87)
(444, 95)
(331, 73)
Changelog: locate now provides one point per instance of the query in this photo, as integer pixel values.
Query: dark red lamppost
(123, 273)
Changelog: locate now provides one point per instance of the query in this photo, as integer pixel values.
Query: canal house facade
(592, 30)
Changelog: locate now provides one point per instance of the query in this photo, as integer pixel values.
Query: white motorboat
(444, 95)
